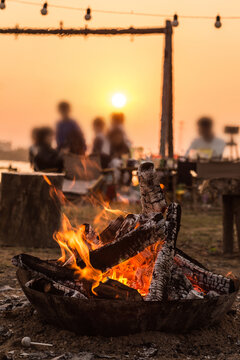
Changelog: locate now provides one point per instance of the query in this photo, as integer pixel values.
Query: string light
(175, 20)
(218, 23)
(2, 4)
(88, 14)
(133, 13)
(44, 9)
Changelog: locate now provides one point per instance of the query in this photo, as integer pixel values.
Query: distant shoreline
(19, 154)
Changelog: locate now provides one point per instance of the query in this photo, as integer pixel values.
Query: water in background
(21, 166)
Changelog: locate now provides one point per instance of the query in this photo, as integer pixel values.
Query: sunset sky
(37, 72)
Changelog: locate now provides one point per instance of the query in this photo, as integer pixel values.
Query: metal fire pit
(117, 317)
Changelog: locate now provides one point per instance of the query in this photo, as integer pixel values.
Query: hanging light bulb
(218, 23)
(2, 4)
(44, 9)
(175, 20)
(88, 14)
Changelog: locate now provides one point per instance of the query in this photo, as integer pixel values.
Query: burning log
(55, 288)
(164, 261)
(131, 221)
(61, 279)
(113, 289)
(204, 278)
(108, 234)
(179, 285)
(48, 268)
(152, 196)
(53, 272)
(174, 214)
(90, 233)
(128, 245)
(194, 294)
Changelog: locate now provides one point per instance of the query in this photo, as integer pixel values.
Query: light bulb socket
(44, 9)
(218, 23)
(88, 14)
(2, 4)
(175, 20)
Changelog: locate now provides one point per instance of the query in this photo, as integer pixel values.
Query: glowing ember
(137, 271)
(195, 285)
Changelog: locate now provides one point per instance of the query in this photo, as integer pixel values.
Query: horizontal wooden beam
(82, 31)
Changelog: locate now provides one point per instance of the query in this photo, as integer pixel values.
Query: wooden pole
(83, 31)
(236, 202)
(166, 142)
(228, 222)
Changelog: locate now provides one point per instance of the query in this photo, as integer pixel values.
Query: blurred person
(118, 143)
(33, 150)
(119, 149)
(101, 146)
(207, 145)
(69, 135)
(47, 158)
(118, 122)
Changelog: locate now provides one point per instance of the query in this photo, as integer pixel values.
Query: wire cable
(113, 12)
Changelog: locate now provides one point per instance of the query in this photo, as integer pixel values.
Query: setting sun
(119, 100)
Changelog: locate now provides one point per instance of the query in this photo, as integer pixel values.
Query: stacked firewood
(175, 276)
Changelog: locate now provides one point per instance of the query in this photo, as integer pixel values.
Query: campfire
(129, 277)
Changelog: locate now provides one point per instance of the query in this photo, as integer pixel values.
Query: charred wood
(152, 196)
(130, 222)
(174, 213)
(204, 278)
(128, 245)
(112, 289)
(52, 272)
(90, 236)
(164, 261)
(179, 285)
(49, 268)
(108, 234)
(52, 287)
(194, 294)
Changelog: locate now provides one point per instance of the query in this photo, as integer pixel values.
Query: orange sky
(37, 72)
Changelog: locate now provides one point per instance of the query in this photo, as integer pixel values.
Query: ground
(200, 237)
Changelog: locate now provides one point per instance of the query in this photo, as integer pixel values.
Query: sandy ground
(200, 237)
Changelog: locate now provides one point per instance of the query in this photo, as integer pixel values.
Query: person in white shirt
(101, 146)
(207, 145)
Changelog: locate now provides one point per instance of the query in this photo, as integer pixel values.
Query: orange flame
(47, 180)
(54, 192)
(137, 271)
(74, 246)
